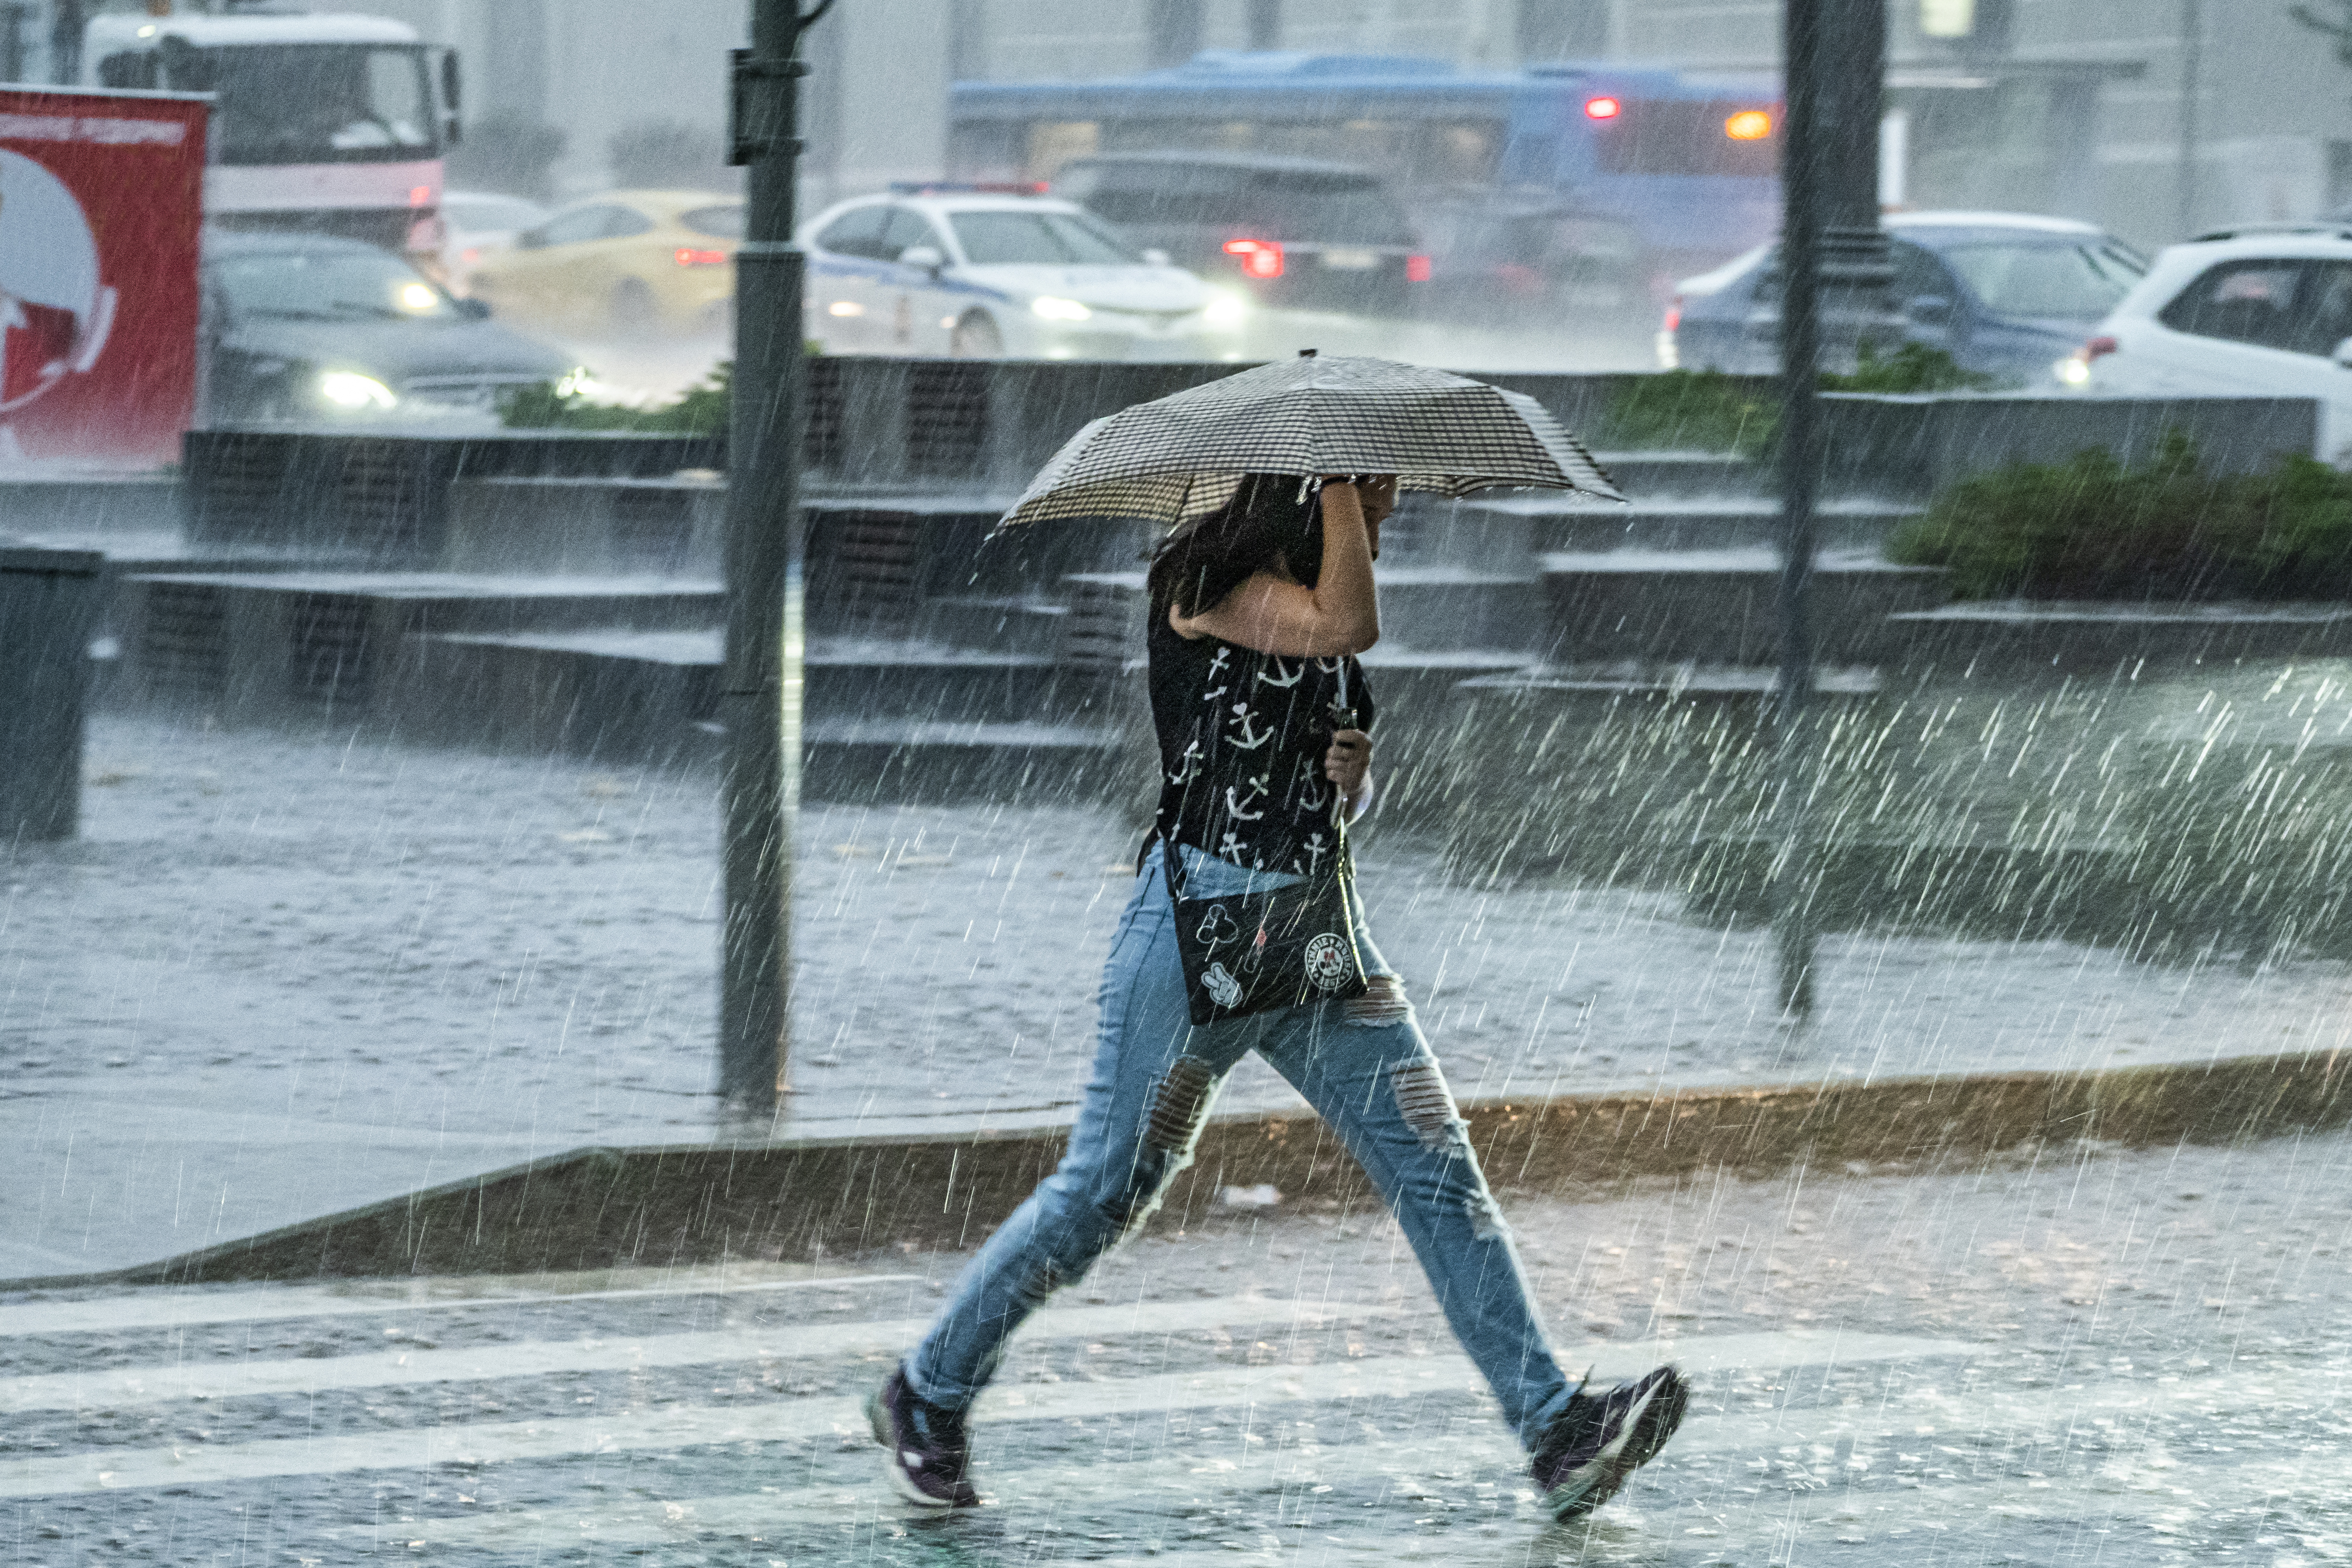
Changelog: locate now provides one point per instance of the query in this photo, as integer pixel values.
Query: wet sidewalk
(280, 977)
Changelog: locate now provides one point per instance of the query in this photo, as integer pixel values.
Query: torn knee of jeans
(1383, 1001)
(1424, 1101)
(1127, 1208)
(1180, 1101)
(1485, 1218)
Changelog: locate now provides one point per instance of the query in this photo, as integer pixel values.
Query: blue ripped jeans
(1365, 1068)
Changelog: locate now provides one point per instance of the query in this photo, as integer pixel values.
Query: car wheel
(633, 311)
(976, 337)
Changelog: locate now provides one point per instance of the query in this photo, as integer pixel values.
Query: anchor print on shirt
(1248, 739)
(1232, 849)
(1257, 790)
(1291, 676)
(1216, 669)
(1308, 793)
(1189, 765)
(1315, 849)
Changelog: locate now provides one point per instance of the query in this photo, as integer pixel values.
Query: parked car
(307, 329)
(2003, 293)
(476, 224)
(627, 261)
(1296, 232)
(2264, 310)
(937, 271)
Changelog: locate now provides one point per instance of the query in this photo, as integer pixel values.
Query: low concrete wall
(1918, 445)
(577, 526)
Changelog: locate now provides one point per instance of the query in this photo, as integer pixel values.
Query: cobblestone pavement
(2087, 1358)
(281, 975)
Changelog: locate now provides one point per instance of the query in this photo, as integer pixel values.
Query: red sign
(101, 205)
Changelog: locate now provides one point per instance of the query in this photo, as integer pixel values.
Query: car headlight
(2073, 370)
(574, 382)
(349, 389)
(1055, 310)
(1225, 309)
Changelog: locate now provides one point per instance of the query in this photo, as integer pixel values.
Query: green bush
(1707, 411)
(702, 411)
(1690, 411)
(1912, 368)
(2092, 529)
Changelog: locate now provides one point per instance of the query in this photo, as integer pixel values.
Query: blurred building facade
(2066, 106)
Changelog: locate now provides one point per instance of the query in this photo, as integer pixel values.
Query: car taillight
(690, 257)
(1416, 269)
(2098, 346)
(1675, 314)
(1602, 109)
(1259, 258)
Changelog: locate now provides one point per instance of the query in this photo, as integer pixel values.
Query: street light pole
(759, 698)
(1834, 274)
(2192, 90)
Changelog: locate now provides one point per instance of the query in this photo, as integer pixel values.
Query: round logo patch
(1329, 963)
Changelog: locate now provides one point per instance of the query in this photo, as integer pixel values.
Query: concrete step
(1715, 607)
(621, 696)
(930, 761)
(271, 645)
(1646, 474)
(1003, 624)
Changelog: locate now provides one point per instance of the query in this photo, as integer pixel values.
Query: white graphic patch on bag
(1329, 965)
(1217, 926)
(1223, 989)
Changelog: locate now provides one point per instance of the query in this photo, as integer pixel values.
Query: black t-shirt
(1242, 739)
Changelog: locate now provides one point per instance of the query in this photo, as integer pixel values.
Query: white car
(938, 271)
(2263, 311)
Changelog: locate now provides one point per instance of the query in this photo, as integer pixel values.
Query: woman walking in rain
(1257, 612)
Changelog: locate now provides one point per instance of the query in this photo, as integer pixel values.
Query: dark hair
(1196, 566)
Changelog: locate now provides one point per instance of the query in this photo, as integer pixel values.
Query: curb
(603, 1208)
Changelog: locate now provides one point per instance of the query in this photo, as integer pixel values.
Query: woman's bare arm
(1338, 616)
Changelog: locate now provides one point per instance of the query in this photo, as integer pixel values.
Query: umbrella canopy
(1180, 457)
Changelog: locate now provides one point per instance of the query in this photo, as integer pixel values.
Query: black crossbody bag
(1252, 952)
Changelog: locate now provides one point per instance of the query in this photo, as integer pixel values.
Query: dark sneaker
(1601, 1439)
(928, 1450)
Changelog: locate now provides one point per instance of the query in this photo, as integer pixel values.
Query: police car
(971, 272)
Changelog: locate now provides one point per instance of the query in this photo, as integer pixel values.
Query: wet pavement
(280, 976)
(2086, 1358)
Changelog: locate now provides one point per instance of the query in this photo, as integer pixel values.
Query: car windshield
(1038, 239)
(331, 285)
(2079, 282)
(312, 103)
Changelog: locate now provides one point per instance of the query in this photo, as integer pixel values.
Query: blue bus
(1683, 165)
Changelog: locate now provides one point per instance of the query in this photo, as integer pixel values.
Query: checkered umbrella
(1180, 457)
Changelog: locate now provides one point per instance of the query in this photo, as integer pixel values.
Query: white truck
(326, 122)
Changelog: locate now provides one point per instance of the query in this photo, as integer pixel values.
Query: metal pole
(1802, 172)
(761, 696)
(1834, 274)
(2193, 87)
